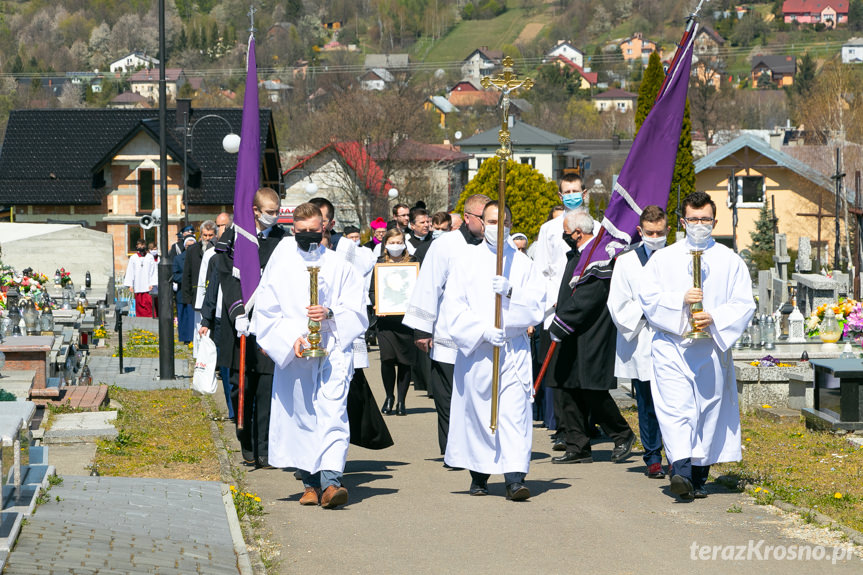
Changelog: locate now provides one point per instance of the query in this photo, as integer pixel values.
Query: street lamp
(230, 143)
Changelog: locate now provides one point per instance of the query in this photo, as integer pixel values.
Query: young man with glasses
(693, 387)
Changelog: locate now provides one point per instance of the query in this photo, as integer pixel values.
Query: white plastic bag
(204, 380)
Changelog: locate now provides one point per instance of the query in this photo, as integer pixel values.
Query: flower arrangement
(841, 309)
(853, 327)
(770, 361)
(100, 332)
(65, 277)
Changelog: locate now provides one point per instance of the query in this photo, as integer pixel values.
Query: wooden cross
(820, 215)
(507, 83)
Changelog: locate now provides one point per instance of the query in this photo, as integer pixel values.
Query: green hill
(471, 34)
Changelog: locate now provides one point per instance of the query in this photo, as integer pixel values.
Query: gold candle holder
(696, 332)
(314, 349)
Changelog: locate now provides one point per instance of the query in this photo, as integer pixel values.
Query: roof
(562, 44)
(522, 134)
(616, 94)
(274, 85)
(470, 98)
(443, 104)
(128, 98)
(388, 61)
(591, 77)
(705, 29)
(853, 42)
(759, 146)
(466, 85)
(776, 64)
(152, 75)
(354, 155)
(381, 73)
(55, 156)
(413, 151)
(491, 55)
(138, 53)
(814, 6)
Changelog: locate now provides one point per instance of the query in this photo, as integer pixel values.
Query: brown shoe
(310, 496)
(333, 497)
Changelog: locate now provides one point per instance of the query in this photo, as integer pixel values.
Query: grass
(468, 35)
(164, 433)
(143, 343)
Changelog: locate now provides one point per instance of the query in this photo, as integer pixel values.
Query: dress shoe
(333, 497)
(298, 475)
(248, 456)
(477, 489)
(400, 408)
(622, 450)
(682, 487)
(310, 496)
(559, 445)
(655, 471)
(574, 457)
(262, 463)
(517, 492)
(699, 493)
(387, 408)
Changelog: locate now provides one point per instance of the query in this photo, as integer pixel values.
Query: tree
(805, 77)
(649, 88)
(762, 236)
(855, 15)
(528, 194)
(684, 172)
(708, 96)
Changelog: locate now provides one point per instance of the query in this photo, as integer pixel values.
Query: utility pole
(166, 303)
(837, 178)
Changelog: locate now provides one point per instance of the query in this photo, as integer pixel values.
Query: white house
(568, 51)
(133, 61)
(615, 99)
(852, 51)
(481, 62)
(376, 79)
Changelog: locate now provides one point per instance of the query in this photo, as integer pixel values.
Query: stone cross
(804, 255)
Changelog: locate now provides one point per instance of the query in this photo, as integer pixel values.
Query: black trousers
(254, 437)
(421, 372)
(441, 389)
(579, 406)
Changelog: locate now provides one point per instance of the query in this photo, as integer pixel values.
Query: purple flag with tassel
(645, 178)
(247, 265)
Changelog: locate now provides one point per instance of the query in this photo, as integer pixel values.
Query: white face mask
(698, 233)
(655, 243)
(154, 253)
(268, 221)
(395, 250)
(491, 234)
(356, 243)
(436, 234)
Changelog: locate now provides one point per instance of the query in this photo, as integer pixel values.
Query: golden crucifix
(507, 83)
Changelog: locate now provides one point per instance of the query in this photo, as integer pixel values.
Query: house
(565, 49)
(468, 93)
(146, 83)
(392, 62)
(588, 79)
(780, 69)
(636, 47)
(275, 89)
(100, 168)
(481, 62)
(442, 107)
(707, 44)
(852, 51)
(615, 99)
(126, 100)
(544, 151)
(133, 61)
(376, 79)
(793, 180)
(827, 12)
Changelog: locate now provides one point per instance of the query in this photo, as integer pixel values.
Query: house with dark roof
(126, 100)
(795, 180)
(481, 62)
(100, 168)
(615, 99)
(467, 93)
(542, 150)
(780, 69)
(827, 12)
(707, 43)
(146, 83)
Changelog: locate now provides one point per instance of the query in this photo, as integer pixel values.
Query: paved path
(124, 525)
(407, 514)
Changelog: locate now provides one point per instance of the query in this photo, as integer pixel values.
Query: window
(529, 160)
(145, 190)
(134, 232)
(751, 189)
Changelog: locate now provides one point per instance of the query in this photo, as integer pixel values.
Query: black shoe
(478, 489)
(559, 445)
(451, 468)
(298, 475)
(574, 457)
(387, 408)
(262, 463)
(400, 408)
(699, 493)
(623, 450)
(517, 492)
(248, 456)
(682, 487)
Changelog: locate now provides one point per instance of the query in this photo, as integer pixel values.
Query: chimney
(184, 112)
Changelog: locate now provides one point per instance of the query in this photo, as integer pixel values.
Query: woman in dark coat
(395, 339)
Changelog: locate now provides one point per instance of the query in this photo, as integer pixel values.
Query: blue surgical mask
(573, 200)
(436, 234)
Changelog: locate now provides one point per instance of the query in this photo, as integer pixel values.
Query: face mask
(436, 234)
(698, 233)
(142, 251)
(154, 253)
(306, 239)
(491, 234)
(655, 243)
(268, 221)
(573, 245)
(572, 200)
(395, 250)
(356, 243)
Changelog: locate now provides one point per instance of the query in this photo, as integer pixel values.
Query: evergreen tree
(855, 15)
(804, 80)
(528, 194)
(214, 34)
(294, 10)
(193, 37)
(182, 40)
(762, 237)
(649, 89)
(684, 173)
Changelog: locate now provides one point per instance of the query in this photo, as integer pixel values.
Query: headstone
(814, 290)
(804, 255)
(765, 291)
(781, 257)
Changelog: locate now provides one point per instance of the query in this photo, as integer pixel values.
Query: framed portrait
(394, 284)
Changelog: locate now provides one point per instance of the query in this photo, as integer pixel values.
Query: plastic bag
(204, 380)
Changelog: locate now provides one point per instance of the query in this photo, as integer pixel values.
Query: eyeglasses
(474, 215)
(698, 220)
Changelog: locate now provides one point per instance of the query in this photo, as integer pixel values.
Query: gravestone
(765, 291)
(816, 289)
(781, 259)
(804, 255)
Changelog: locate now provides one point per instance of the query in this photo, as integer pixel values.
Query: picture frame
(394, 284)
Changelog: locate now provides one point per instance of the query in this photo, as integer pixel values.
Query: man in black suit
(329, 215)
(254, 437)
(192, 265)
(584, 366)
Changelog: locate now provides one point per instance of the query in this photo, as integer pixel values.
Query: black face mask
(306, 239)
(573, 245)
(142, 251)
